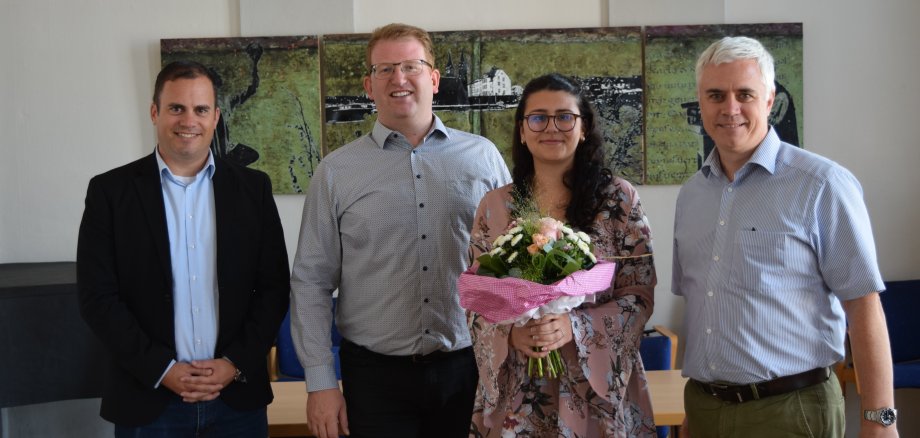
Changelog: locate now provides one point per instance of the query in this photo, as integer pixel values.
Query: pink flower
(551, 228)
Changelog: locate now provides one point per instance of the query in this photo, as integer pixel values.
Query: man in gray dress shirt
(386, 221)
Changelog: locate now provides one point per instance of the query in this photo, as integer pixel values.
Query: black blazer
(125, 284)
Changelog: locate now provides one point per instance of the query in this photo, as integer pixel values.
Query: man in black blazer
(183, 275)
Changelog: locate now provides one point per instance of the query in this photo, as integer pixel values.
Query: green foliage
(538, 249)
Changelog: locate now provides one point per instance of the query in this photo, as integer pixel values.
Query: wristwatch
(239, 377)
(884, 416)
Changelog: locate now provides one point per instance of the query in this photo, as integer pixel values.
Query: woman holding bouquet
(559, 171)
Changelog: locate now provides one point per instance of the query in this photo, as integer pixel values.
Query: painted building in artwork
(494, 83)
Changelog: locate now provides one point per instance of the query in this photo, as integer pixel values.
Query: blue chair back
(901, 299)
(289, 366)
(655, 350)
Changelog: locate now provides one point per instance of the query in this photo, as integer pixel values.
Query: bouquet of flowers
(539, 266)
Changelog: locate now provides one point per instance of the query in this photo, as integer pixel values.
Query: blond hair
(396, 31)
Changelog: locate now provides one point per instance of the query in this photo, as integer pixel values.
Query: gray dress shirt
(388, 226)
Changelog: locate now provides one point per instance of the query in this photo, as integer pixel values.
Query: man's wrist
(885, 416)
(238, 375)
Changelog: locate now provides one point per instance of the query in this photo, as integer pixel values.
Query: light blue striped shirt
(192, 226)
(763, 262)
(389, 226)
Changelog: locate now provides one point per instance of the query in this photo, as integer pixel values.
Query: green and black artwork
(677, 143)
(268, 94)
(483, 74)
(285, 103)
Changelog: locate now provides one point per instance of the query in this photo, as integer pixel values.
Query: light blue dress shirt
(192, 226)
(764, 261)
(389, 226)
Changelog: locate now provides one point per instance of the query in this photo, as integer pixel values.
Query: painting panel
(676, 141)
(349, 113)
(269, 97)
(608, 63)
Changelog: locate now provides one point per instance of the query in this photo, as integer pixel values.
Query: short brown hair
(182, 70)
(396, 31)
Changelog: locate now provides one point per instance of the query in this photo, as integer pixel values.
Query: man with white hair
(773, 251)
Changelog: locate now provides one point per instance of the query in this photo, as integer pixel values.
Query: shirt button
(708, 331)
(423, 236)
(424, 268)
(712, 367)
(421, 205)
(721, 222)
(729, 190)
(716, 258)
(194, 277)
(427, 331)
(709, 293)
(418, 176)
(426, 300)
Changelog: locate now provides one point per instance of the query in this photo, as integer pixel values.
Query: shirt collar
(764, 156)
(164, 169)
(380, 133)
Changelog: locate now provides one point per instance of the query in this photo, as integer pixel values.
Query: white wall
(76, 78)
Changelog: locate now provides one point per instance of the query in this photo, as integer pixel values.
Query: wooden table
(667, 391)
(287, 415)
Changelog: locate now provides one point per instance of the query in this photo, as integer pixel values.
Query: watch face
(887, 416)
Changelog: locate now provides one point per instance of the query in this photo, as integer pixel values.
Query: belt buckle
(723, 392)
(714, 388)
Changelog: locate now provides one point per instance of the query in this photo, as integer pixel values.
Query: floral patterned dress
(603, 392)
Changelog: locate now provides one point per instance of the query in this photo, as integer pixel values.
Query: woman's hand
(540, 336)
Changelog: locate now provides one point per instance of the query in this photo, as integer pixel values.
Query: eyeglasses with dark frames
(409, 67)
(564, 122)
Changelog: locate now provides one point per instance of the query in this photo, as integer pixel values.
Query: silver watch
(883, 416)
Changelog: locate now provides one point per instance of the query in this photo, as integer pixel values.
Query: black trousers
(406, 396)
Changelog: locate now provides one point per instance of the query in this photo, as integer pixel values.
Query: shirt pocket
(758, 264)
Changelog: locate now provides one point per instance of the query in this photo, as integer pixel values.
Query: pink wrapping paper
(501, 299)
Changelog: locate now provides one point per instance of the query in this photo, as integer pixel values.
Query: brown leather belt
(757, 391)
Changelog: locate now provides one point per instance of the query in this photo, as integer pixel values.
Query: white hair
(731, 49)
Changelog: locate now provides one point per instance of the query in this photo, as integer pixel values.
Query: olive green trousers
(814, 411)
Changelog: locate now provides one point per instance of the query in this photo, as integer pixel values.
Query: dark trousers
(202, 419)
(405, 397)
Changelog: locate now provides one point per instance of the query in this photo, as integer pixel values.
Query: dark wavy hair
(588, 178)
